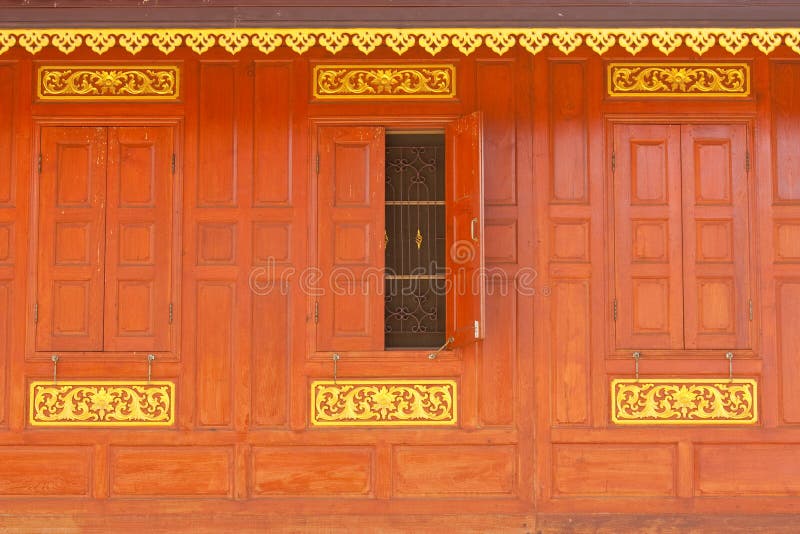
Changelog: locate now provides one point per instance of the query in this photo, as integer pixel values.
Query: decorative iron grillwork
(415, 241)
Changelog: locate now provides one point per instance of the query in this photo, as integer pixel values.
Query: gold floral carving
(679, 79)
(102, 403)
(383, 402)
(684, 401)
(91, 82)
(432, 40)
(384, 81)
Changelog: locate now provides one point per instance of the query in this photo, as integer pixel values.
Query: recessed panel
(351, 243)
(648, 172)
(650, 241)
(35, 471)
(312, 471)
(74, 175)
(713, 179)
(136, 244)
(351, 174)
(135, 313)
(137, 175)
(71, 308)
(72, 241)
(650, 305)
(6, 243)
(714, 241)
(715, 303)
(787, 241)
(748, 469)
(271, 242)
(216, 243)
(500, 245)
(570, 241)
(352, 304)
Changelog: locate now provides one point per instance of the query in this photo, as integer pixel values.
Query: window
(104, 264)
(360, 238)
(681, 237)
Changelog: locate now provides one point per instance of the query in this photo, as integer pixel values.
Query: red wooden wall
(534, 432)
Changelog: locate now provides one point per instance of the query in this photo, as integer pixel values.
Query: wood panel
(215, 337)
(71, 247)
(5, 342)
(476, 470)
(138, 263)
(568, 132)
(7, 161)
(648, 244)
(312, 471)
(745, 469)
(271, 350)
(496, 99)
(613, 470)
(716, 255)
(32, 472)
(787, 302)
(570, 344)
(272, 133)
(785, 81)
(497, 365)
(216, 131)
(171, 471)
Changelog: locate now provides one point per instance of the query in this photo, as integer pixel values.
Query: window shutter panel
(351, 253)
(464, 214)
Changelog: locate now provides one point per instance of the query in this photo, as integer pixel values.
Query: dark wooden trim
(398, 13)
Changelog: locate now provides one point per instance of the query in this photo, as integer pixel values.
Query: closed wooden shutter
(351, 253)
(71, 234)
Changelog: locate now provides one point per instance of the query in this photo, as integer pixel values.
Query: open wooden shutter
(647, 237)
(466, 308)
(139, 239)
(351, 252)
(716, 236)
(71, 249)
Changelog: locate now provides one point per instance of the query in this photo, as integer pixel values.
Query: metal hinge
(750, 304)
(316, 312)
(615, 309)
(317, 162)
(747, 161)
(36, 313)
(173, 163)
(39, 164)
(170, 313)
(613, 160)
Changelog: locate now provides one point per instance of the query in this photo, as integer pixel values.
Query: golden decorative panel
(400, 40)
(679, 79)
(383, 402)
(102, 403)
(91, 82)
(681, 401)
(383, 82)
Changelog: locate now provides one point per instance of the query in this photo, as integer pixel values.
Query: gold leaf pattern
(383, 402)
(67, 42)
(233, 42)
(679, 79)
(391, 81)
(100, 42)
(102, 403)
(108, 82)
(684, 401)
(133, 42)
(334, 41)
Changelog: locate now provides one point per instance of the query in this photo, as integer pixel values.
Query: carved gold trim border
(432, 40)
(101, 403)
(684, 401)
(385, 82)
(384, 403)
(692, 80)
(108, 82)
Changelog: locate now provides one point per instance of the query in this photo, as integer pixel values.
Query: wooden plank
(217, 179)
(748, 469)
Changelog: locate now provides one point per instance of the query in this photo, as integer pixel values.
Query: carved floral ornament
(432, 40)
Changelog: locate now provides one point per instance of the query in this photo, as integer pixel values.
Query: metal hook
(150, 358)
(54, 358)
(336, 358)
(636, 356)
(434, 354)
(729, 356)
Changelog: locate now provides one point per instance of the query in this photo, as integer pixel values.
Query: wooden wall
(534, 431)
